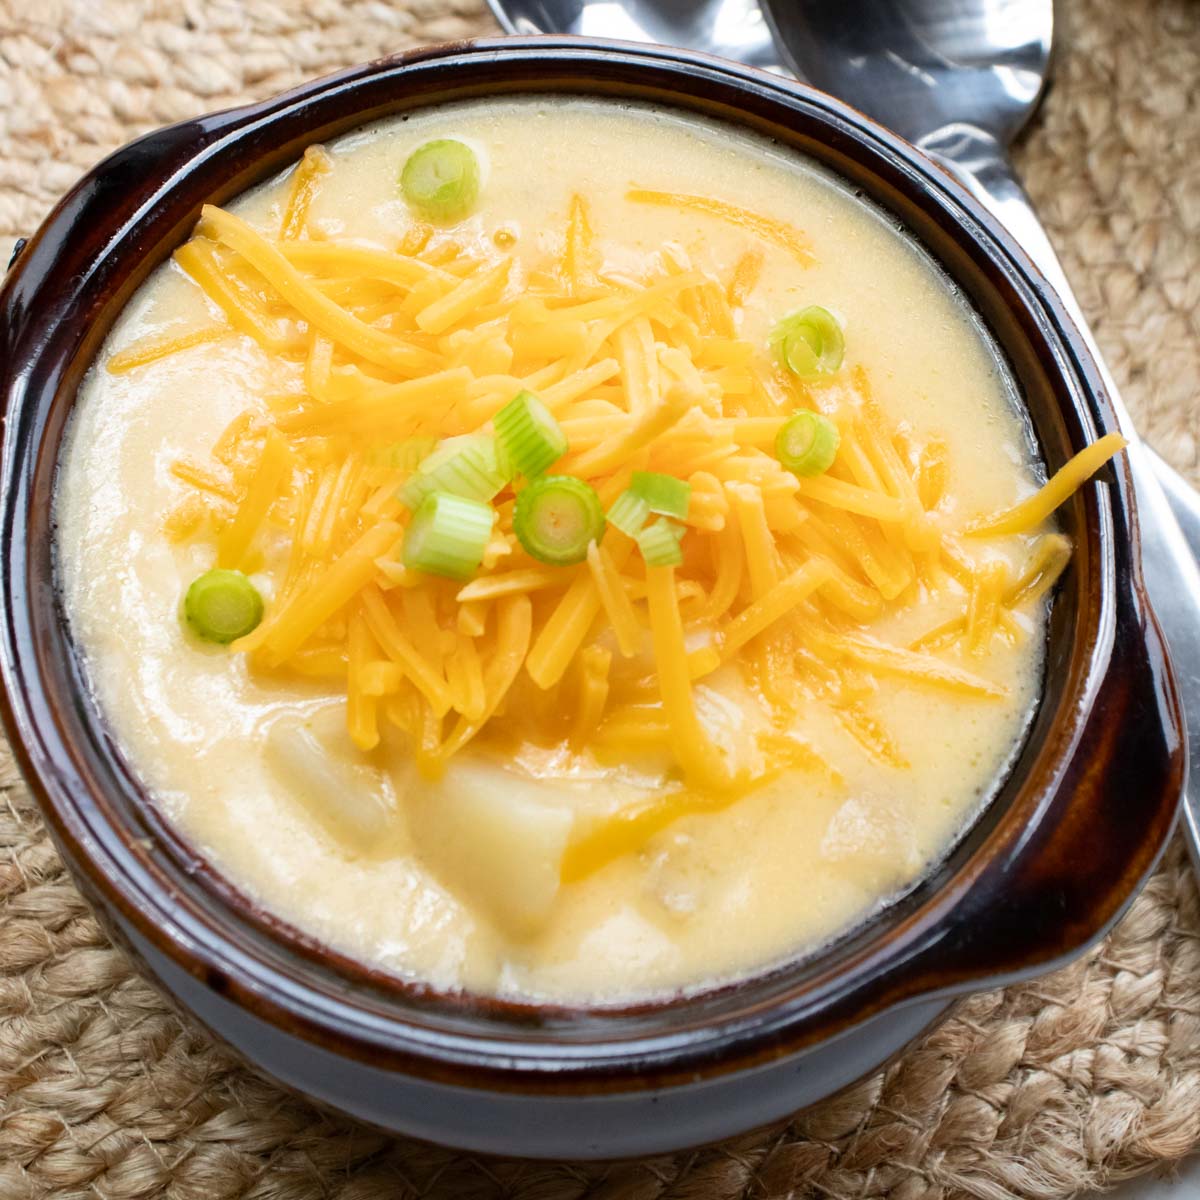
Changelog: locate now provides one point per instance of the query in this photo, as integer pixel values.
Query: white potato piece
(877, 837)
(497, 840)
(352, 800)
(732, 717)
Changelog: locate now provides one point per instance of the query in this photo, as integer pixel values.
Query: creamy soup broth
(456, 881)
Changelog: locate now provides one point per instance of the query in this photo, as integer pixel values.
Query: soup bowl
(1074, 829)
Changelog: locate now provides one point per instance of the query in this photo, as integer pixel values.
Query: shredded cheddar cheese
(1066, 481)
(781, 577)
(305, 184)
(785, 236)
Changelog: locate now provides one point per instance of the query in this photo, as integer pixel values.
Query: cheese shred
(1066, 481)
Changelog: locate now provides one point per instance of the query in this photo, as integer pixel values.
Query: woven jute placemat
(1081, 1078)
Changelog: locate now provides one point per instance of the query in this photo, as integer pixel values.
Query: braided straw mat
(1076, 1080)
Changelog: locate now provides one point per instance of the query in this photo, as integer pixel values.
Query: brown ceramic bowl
(1074, 830)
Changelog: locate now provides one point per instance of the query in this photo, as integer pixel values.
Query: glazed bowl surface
(1077, 825)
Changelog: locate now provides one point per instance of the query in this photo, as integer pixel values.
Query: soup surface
(568, 850)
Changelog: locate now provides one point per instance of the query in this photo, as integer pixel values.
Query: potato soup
(559, 549)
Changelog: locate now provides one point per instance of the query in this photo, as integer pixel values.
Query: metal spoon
(959, 78)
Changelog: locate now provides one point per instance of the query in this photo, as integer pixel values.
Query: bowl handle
(1054, 884)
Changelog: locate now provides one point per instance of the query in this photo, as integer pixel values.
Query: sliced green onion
(663, 494)
(466, 466)
(448, 536)
(528, 436)
(441, 180)
(629, 513)
(649, 492)
(809, 342)
(222, 606)
(659, 544)
(807, 443)
(556, 517)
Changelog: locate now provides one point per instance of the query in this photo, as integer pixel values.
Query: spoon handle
(1172, 576)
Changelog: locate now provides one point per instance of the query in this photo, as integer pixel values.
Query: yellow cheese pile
(430, 338)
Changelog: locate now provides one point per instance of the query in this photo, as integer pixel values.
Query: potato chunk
(352, 800)
(497, 840)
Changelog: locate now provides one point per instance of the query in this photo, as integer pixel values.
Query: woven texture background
(1077, 1080)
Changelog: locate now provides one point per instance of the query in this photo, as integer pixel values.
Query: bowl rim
(530, 1048)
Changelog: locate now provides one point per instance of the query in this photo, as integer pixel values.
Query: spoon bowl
(733, 29)
(920, 65)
